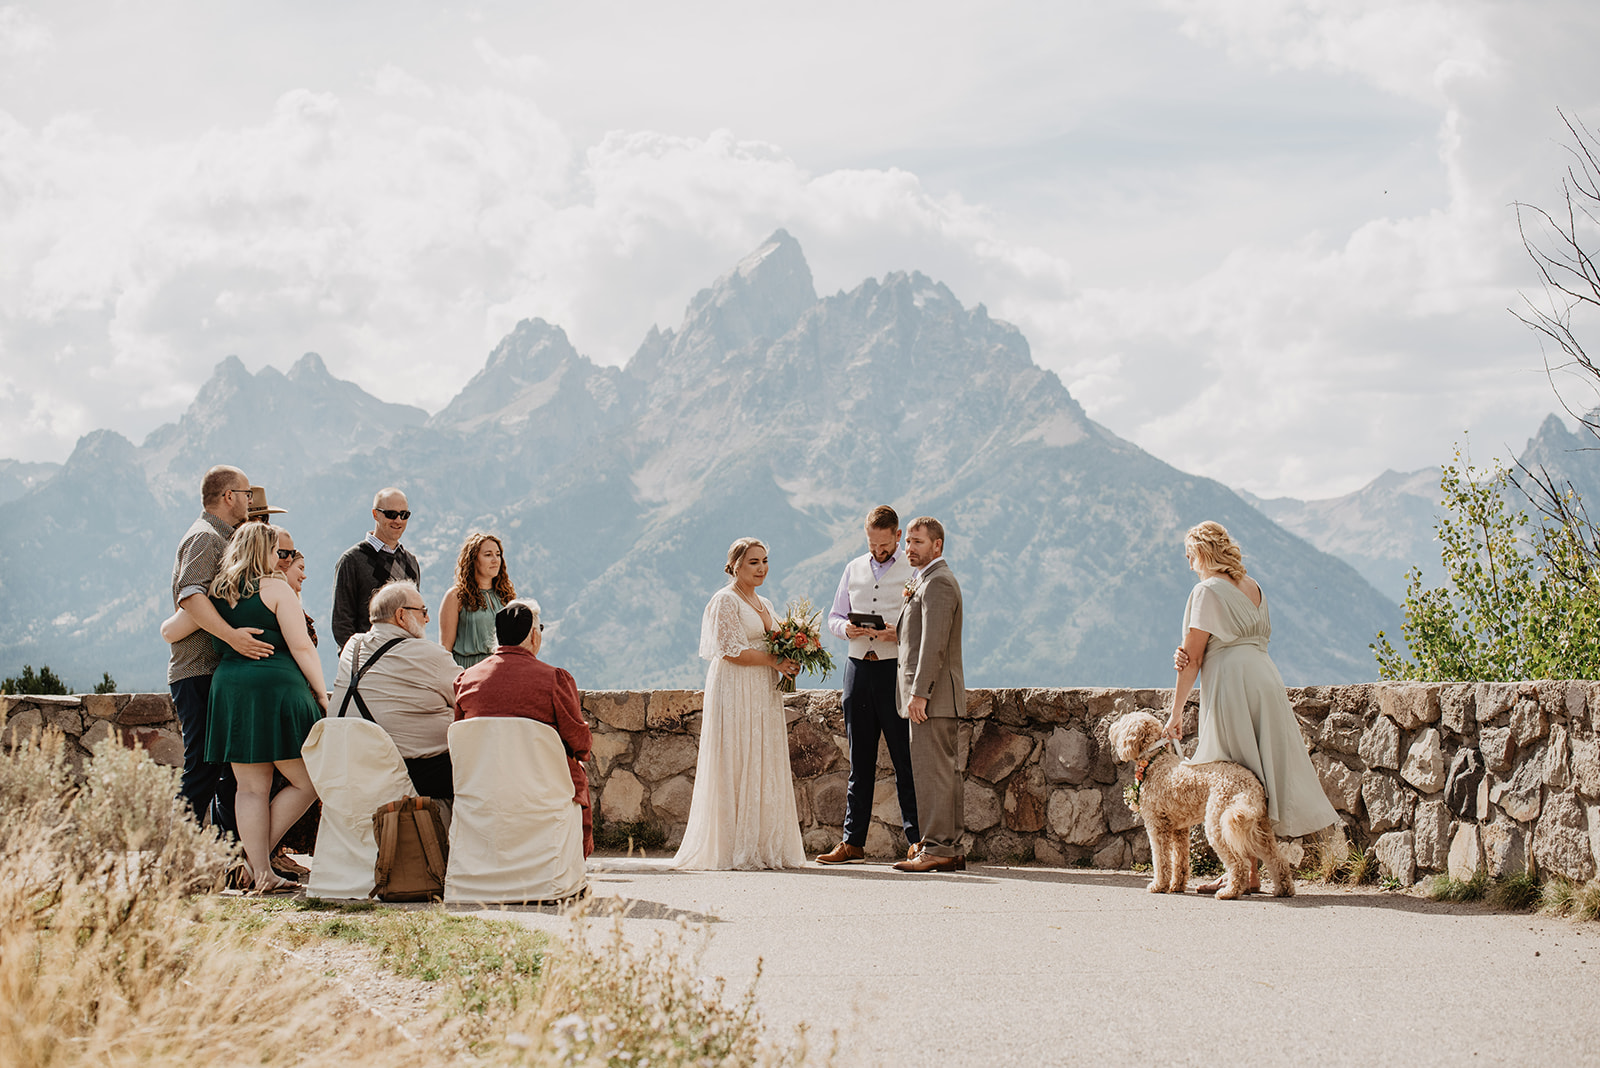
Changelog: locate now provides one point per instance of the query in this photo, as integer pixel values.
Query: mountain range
(1386, 528)
(766, 411)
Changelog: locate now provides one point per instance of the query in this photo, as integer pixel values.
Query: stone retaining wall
(1435, 777)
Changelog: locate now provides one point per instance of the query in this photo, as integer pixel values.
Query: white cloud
(1200, 237)
(401, 236)
(1411, 49)
(23, 35)
(524, 69)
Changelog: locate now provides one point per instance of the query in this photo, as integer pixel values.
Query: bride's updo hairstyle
(1215, 549)
(737, 550)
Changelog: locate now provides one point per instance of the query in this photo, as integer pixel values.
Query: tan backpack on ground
(412, 850)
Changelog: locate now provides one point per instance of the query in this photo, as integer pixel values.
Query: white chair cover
(355, 768)
(517, 834)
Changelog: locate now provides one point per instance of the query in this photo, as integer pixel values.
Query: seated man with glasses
(407, 683)
(371, 563)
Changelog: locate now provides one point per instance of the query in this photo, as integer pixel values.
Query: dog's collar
(1154, 749)
(1132, 793)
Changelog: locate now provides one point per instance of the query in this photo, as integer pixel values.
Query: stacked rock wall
(1434, 777)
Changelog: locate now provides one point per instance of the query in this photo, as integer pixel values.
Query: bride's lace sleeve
(722, 630)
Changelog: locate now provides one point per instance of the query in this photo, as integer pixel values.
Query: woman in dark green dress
(262, 710)
(466, 618)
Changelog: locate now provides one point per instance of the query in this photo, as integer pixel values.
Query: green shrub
(1522, 600)
(629, 835)
(1563, 897)
(1514, 893)
(1203, 860)
(1520, 892)
(45, 682)
(1334, 861)
(1444, 888)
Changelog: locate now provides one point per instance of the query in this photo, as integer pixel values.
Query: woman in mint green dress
(466, 619)
(261, 710)
(1245, 715)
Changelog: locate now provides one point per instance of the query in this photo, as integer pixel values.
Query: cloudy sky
(1271, 241)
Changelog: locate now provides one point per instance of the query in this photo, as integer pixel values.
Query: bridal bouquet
(798, 637)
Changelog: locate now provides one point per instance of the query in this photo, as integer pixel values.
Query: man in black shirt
(371, 563)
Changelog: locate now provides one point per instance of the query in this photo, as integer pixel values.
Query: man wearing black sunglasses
(372, 563)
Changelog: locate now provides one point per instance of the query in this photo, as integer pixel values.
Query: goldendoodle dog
(1174, 796)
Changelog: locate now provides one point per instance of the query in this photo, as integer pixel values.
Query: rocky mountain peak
(769, 412)
(523, 373)
(98, 448)
(1566, 458)
(761, 297)
(309, 370)
(228, 377)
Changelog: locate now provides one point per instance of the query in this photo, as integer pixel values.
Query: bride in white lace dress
(742, 814)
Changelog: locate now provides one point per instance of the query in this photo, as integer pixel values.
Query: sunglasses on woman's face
(390, 513)
(289, 554)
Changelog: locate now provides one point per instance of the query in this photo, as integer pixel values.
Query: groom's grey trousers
(939, 785)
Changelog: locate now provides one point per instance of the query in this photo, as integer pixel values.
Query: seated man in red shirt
(513, 681)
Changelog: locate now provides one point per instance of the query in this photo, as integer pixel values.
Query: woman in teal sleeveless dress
(1245, 715)
(261, 710)
(466, 619)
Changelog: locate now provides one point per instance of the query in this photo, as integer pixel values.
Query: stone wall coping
(1433, 777)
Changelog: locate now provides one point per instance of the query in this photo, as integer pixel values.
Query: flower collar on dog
(1130, 794)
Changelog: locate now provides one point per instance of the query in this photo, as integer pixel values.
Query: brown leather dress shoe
(925, 862)
(912, 850)
(843, 853)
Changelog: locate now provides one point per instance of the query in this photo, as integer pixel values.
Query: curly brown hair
(468, 596)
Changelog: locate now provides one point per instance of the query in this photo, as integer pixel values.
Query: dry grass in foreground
(108, 957)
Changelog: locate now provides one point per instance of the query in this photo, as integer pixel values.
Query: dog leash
(1130, 794)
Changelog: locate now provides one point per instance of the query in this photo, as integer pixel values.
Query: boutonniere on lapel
(911, 588)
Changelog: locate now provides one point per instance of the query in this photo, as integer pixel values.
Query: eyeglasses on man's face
(417, 608)
(289, 554)
(391, 513)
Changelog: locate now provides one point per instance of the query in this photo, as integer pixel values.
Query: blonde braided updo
(1214, 549)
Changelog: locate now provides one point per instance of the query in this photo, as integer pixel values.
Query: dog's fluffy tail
(1248, 831)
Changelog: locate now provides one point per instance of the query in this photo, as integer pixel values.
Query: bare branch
(1568, 271)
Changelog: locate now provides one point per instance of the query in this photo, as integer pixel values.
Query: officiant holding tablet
(864, 610)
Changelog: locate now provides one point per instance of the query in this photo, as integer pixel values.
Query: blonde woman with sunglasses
(291, 564)
(261, 710)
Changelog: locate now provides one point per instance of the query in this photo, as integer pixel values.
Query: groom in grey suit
(932, 695)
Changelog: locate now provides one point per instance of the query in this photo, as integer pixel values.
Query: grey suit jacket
(930, 644)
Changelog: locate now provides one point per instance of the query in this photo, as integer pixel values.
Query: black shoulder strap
(357, 669)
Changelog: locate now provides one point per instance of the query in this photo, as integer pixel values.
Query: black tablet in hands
(870, 620)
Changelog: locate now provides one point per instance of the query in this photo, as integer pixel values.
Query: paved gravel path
(1049, 966)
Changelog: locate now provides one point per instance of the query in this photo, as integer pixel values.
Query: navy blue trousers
(203, 784)
(869, 713)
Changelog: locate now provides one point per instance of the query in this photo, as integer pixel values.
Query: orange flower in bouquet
(798, 637)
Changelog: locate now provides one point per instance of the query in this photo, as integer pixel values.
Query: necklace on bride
(750, 599)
